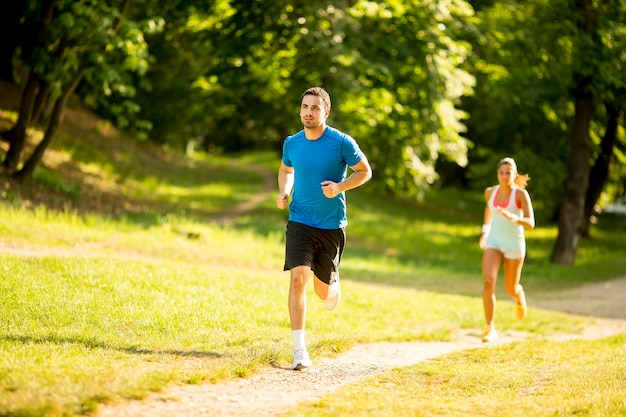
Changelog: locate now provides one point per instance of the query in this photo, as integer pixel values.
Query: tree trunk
(572, 206)
(17, 136)
(53, 125)
(40, 101)
(602, 166)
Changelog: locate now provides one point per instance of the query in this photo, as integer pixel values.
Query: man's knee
(300, 276)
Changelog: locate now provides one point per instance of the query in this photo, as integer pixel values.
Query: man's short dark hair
(319, 92)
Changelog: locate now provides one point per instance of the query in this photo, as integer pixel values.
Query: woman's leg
(492, 260)
(512, 276)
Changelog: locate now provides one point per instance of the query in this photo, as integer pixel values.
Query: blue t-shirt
(314, 161)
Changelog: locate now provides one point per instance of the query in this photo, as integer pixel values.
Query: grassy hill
(92, 167)
(117, 277)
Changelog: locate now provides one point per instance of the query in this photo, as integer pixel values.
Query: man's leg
(297, 313)
(321, 288)
(326, 267)
(297, 296)
(331, 294)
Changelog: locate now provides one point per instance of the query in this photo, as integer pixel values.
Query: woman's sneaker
(301, 360)
(490, 335)
(334, 294)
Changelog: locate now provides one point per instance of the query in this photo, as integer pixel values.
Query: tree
(599, 72)
(603, 165)
(72, 41)
(406, 87)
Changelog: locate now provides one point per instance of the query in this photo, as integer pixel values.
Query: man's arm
(362, 174)
(285, 185)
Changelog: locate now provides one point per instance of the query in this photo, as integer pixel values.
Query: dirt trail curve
(270, 184)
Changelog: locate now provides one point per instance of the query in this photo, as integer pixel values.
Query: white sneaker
(334, 294)
(490, 335)
(301, 359)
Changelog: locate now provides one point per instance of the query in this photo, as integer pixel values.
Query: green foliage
(110, 86)
(92, 41)
(402, 108)
(395, 90)
(527, 58)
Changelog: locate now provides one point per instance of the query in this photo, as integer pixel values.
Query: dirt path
(288, 388)
(607, 299)
(270, 184)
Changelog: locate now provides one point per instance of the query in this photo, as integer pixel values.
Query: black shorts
(320, 249)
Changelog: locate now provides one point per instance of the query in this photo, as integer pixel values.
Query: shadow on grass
(95, 344)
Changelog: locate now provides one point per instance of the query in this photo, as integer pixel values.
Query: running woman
(507, 213)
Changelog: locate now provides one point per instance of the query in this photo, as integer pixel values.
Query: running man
(313, 171)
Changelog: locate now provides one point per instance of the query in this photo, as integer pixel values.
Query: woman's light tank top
(504, 233)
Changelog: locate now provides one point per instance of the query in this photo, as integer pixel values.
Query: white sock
(298, 339)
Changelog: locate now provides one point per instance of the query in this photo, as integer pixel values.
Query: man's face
(313, 113)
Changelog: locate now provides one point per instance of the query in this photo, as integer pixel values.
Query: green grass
(118, 284)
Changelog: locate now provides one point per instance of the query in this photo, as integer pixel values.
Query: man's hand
(281, 200)
(330, 189)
